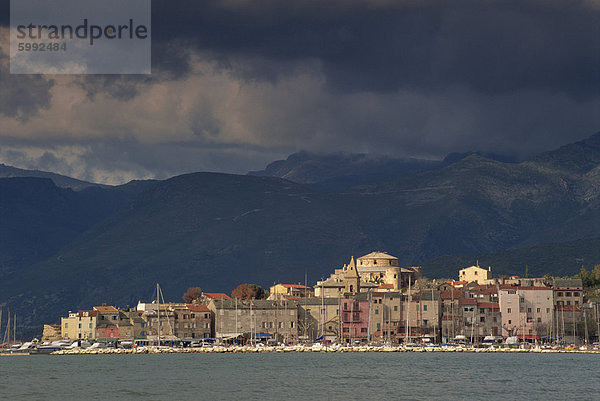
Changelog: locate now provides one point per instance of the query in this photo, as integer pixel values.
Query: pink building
(526, 311)
(355, 318)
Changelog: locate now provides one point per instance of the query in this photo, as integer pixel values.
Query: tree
(192, 294)
(249, 291)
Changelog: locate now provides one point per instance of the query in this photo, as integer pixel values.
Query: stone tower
(352, 278)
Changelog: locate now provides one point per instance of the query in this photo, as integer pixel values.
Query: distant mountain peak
(339, 170)
(579, 157)
(62, 181)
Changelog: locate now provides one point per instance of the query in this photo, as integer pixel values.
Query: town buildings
(370, 299)
(255, 319)
(526, 311)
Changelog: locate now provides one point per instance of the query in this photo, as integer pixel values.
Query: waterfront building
(193, 321)
(355, 315)
(451, 319)
(526, 311)
(79, 325)
(132, 325)
(257, 319)
(319, 318)
(160, 322)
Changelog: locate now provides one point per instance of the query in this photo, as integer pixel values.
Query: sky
(236, 84)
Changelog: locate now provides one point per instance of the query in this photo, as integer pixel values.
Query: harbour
(294, 376)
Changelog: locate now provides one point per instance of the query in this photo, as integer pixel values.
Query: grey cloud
(22, 95)
(408, 78)
(118, 161)
(493, 47)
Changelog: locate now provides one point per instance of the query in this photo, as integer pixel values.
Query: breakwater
(322, 349)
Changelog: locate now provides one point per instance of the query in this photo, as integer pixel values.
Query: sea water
(302, 376)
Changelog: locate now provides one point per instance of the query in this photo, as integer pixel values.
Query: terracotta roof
(290, 298)
(198, 308)
(468, 301)
(486, 289)
(489, 305)
(451, 294)
(86, 313)
(216, 295)
(295, 286)
(106, 309)
(385, 286)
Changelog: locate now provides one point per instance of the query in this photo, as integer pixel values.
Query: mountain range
(65, 247)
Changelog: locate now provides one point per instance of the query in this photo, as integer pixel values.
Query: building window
(377, 311)
(568, 294)
(547, 310)
(538, 310)
(522, 300)
(509, 310)
(424, 308)
(482, 319)
(395, 308)
(560, 294)
(362, 330)
(528, 310)
(346, 330)
(539, 320)
(66, 325)
(509, 322)
(378, 326)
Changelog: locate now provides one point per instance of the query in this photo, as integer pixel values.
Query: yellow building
(280, 291)
(475, 273)
(79, 325)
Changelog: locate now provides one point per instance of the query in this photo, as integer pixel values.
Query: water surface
(302, 376)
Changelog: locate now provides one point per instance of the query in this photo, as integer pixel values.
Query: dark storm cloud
(21, 96)
(490, 46)
(238, 83)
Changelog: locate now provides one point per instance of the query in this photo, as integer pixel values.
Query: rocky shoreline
(322, 349)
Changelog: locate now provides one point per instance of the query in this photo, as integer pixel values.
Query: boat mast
(158, 313)
(408, 310)
(7, 334)
(322, 312)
